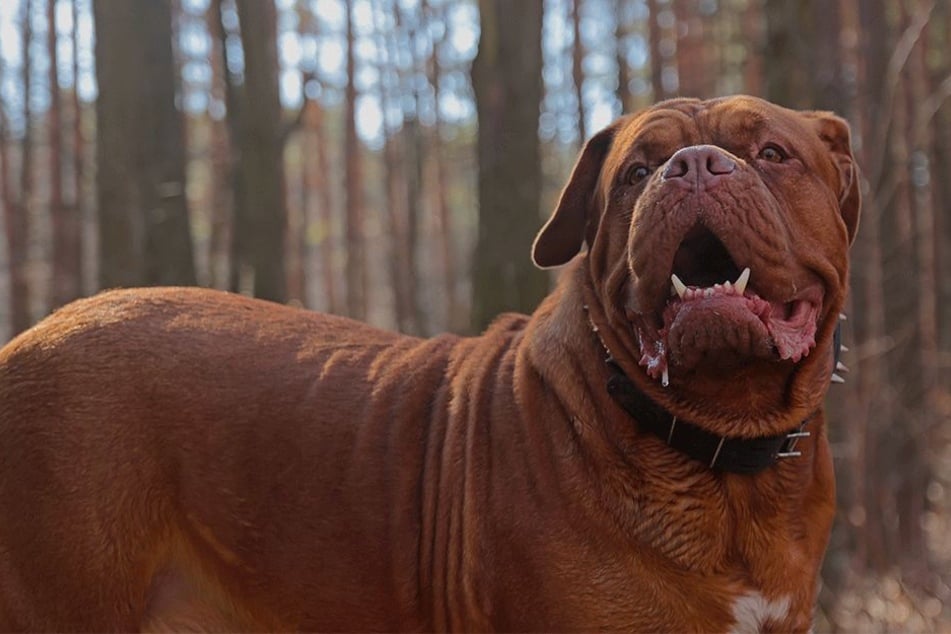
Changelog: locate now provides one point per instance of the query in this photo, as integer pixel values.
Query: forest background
(391, 160)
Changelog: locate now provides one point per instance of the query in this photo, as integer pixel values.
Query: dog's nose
(703, 164)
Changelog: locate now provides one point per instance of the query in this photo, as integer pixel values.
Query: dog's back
(152, 454)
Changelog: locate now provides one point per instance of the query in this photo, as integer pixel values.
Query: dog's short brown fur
(188, 459)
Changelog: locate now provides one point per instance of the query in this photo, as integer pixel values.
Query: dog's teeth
(842, 317)
(665, 378)
(837, 379)
(841, 367)
(708, 292)
(742, 280)
(679, 287)
(843, 349)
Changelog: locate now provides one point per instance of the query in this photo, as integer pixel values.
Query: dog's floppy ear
(834, 131)
(574, 219)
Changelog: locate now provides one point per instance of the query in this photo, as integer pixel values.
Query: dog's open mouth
(715, 315)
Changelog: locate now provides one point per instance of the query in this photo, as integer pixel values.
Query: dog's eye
(637, 173)
(772, 153)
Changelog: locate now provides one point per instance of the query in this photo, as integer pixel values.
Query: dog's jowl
(646, 452)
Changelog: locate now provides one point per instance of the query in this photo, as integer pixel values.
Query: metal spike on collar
(597, 333)
(840, 368)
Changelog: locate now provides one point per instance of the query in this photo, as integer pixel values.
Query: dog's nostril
(676, 168)
(719, 163)
(699, 161)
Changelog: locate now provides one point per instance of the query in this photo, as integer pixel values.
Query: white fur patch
(752, 610)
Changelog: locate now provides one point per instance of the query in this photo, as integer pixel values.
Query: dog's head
(717, 236)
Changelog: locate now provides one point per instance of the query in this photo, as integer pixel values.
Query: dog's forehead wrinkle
(756, 122)
(655, 131)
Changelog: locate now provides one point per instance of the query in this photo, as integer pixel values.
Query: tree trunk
(693, 76)
(415, 156)
(65, 222)
(7, 198)
(261, 151)
(895, 445)
(144, 234)
(357, 281)
(577, 70)
(927, 139)
(221, 166)
(238, 260)
(870, 304)
(941, 188)
(621, 30)
(8, 203)
(788, 55)
(295, 240)
(19, 227)
(654, 36)
(829, 87)
(919, 365)
(444, 223)
(395, 180)
(78, 263)
(506, 78)
(752, 21)
(327, 245)
(321, 215)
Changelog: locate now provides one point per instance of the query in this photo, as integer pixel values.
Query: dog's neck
(723, 453)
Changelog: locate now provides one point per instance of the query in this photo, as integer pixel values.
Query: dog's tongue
(711, 325)
(708, 327)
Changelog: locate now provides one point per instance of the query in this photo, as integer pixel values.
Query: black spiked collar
(721, 453)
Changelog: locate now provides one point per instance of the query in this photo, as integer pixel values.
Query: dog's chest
(752, 611)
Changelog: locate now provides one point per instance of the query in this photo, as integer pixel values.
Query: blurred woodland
(392, 160)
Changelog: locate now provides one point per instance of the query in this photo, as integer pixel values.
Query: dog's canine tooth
(742, 280)
(678, 285)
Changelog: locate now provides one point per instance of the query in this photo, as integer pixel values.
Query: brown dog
(188, 459)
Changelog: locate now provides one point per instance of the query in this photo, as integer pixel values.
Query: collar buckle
(789, 449)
